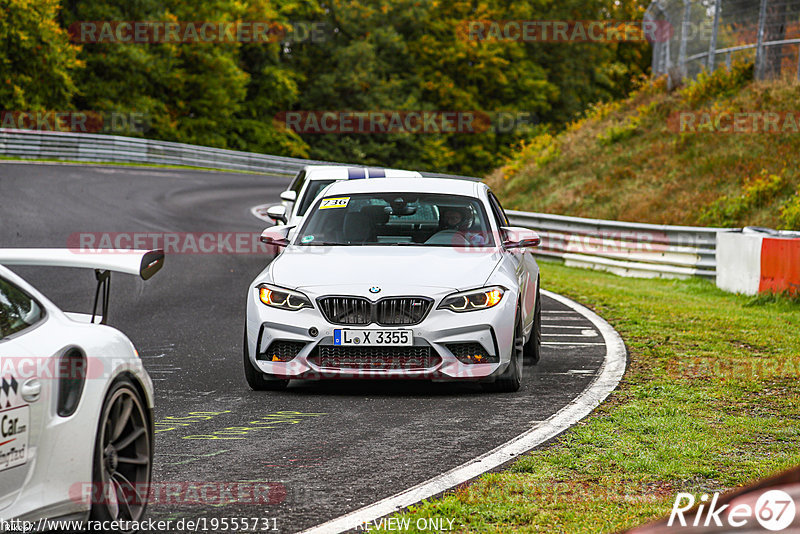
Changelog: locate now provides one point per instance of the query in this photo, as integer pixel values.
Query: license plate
(348, 337)
(14, 432)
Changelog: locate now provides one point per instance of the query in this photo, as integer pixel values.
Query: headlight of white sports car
(284, 299)
(475, 299)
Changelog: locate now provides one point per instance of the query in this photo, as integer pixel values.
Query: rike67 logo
(773, 510)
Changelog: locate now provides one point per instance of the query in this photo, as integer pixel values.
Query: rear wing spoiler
(142, 263)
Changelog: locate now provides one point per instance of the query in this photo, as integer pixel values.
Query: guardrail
(627, 249)
(35, 144)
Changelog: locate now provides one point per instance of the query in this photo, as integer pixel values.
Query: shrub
(790, 213)
(722, 82)
(729, 210)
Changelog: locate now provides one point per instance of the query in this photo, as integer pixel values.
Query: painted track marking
(570, 343)
(608, 376)
(563, 326)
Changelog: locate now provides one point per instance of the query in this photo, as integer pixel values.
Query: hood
(396, 269)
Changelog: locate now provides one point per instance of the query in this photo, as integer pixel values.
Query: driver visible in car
(458, 219)
(451, 219)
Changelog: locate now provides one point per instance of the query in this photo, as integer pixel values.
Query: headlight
(476, 299)
(285, 299)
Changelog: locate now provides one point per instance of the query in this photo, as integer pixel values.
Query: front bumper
(493, 329)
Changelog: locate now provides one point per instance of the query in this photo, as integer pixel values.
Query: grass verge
(710, 401)
(628, 160)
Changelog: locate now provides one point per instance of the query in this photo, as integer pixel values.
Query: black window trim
(301, 203)
(30, 327)
(500, 216)
(299, 180)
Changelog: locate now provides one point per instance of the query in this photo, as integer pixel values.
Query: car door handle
(31, 389)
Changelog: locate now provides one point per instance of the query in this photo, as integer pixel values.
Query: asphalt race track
(329, 447)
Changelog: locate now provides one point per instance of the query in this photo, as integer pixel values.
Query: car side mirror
(276, 236)
(514, 237)
(277, 214)
(289, 196)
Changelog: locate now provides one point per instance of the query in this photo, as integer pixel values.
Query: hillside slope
(629, 161)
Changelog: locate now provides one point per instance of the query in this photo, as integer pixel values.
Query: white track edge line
(254, 212)
(609, 375)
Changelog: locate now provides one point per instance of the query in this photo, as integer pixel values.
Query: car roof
(339, 172)
(417, 185)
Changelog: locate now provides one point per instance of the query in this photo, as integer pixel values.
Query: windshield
(313, 189)
(414, 219)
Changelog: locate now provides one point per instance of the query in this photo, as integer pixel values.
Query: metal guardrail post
(798, 62)
(687, 6)
(712, 45)
(762, 20)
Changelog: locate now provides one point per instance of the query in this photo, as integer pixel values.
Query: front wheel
(511, 379)
(123, 456)
(255, 378)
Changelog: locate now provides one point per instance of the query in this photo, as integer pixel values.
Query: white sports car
(76, 426)
(312, 179)
(397, 278)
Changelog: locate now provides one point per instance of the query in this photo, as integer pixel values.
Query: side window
(18, 310)
(314, 188)
(298, 182)
(497, 209)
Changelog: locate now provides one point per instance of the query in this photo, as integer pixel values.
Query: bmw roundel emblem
(375, 289)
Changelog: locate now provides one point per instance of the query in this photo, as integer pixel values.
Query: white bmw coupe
(76, 426)
(418, 278)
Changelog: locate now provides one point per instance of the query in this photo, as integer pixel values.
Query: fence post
(682, 50)
(798, 62)
(712, 45)
(762, 19)
(649, 21)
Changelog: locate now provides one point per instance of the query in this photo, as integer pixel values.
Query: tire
(257, 380)
(123, 456)
(511, 379)
(533, 347)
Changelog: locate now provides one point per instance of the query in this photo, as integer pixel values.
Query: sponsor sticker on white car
(340, 202)
(14, 423)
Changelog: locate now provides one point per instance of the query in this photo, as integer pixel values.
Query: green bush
(790, 213)
(729, 210)
(619, 132)
(722, 82)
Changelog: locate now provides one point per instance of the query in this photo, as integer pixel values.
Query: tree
(411, 55)
(37, 61)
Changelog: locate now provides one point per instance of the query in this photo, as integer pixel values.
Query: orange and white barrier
(754, 261)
